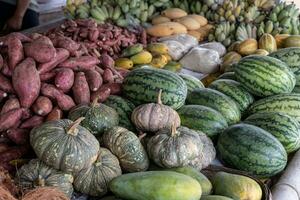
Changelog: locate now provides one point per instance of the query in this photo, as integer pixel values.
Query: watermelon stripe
(291, 56)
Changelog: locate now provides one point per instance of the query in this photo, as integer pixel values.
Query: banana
(97, 15)
(269, 27)
(117, 13)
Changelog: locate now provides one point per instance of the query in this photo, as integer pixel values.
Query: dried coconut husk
(43, 193)
(7, 183)
(5, 194)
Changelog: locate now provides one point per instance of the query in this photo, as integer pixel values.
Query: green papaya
(132, 50)
(206, 185)
(215, 197)
(156, 185)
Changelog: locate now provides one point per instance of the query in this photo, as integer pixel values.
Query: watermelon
(265, 76)
(217, 101)
(297, 87)
(227, 75)
(142, 85)
(286, 103)
(284, 127)
(124, 108)
(202, 118)
(235, 91)
(291, 56)
(252, 149)
(191, 82)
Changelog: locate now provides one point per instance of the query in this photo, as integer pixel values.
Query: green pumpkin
(98, 117)
(64, 145)
(38, 174)
(174, 148)
(94, 180)
(127, 147)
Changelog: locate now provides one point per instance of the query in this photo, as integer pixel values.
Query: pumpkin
(94, 180)
(64, 145)
(248, 47)
(153, 117)
(49, 193)
(127, 147)
(98, 117)
(174, 148)
(37, 174)
(267, 42)
(110, 198)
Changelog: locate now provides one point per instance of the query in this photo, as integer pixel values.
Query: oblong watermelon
(202, 118)
(286, 103)
(235, 91)
(265, 76)
(227, 75)
(124, 109)
(191, 82)
(284, 127)
(297, 86)
(252, 149)
(217, 101)
(291, 56)
(142, 86)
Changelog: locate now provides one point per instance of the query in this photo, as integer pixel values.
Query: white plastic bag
(176, 49)
(187, 40)
(217, 46)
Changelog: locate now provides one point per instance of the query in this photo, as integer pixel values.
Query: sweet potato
(6, 85)
(55, 114)
(81, 91)
(41, 50)
(35, 36)
(26, 114)
(64, 79)
(101, 94)
(94, 79)
(115, 88)
(107, 61)
(99, 70)
(80, 63)
(32, 122)
(61, 56)
(4, 147)
(123, 72)
(94, 34)
(68, 44)
(10, 104)
(42, 106)
(6, 70)
(10, 119)
(64, 101)
(20, 36)
(15, 52)
(2, 95)
(48, 76)
(18, 136)
(108, 76)
(26, 82)
(13, 153)
(1, 61)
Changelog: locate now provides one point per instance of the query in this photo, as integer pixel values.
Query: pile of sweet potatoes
(41, 79)
(98, 39)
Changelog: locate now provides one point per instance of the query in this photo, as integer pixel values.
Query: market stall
(153, 100)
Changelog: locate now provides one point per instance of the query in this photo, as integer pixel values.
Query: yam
(26, 82)
(48, 76)
(5, 84)
(80, 89)
(18, 136)
(15, 52)
(6, 70)
(94, 79)
(10, 119)
(81, 63)
(115, 88)
(189, 23)
(55, 114)
(160, 19)
(68, 44)
(10, 104)
(101, 94)
(32, 122)
(64, 79)
(42, 106)
(200, 19)
(107, 61)
(174, 13)
(108, 76)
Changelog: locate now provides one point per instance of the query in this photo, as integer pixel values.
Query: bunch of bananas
(245, 31)
(263, 4)
(224, 33)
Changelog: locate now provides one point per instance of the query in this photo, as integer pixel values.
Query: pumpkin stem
(159, 97)
(95, 102)
(72, 130)
(173, 130)
(40, 181)
(142, 135)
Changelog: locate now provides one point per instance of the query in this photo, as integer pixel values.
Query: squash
(43, 193)
(229, 59)
(127, 147)
(166, 29)
(159, 19)
(200, 19)
(189, 23)
(195, 34)
(173, 13)
(153, 117)
(64, 145)
(247, 47)
(174, 148)
(236, 186)
(215, 197)
(98, 117)
(292, 41)
(37, 174)
(261, 52)
(94, 180)
(280, 40)
(267, 42)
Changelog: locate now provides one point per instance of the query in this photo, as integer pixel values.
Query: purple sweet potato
(67, 43)
(6, 70)
(50, 91)
(20, 36)
(80, 63)
(10, 104)
(41, 50)
(115, 88)
(55, 114)
(13, 153)
(101, 94)
(64, 79)
(26, 113)
(1, 61)
(18, 136)
(2, 95)
(107, 61)
(48, 76)
(26, 82)
(42, 106)
(94, 79)
(81, 91)
(10, 119)
(65, 102)
(15, 52)
(5, 84)
(108, 76)
(61, 56)
(32, 122)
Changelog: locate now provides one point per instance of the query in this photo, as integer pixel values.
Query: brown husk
(5, 195)
(7, 183)
(43, 193)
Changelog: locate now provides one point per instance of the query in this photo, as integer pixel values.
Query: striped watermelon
(291, 56)
(297, 87)
(124, 108)
(252, 149)
(142, 86)
(202, 118)
(286, 103)
(227, 75)
(265, 76)
(235, 91)
(284, 127)
(217, 101)
(191, 82)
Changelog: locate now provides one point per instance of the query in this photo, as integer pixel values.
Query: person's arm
(15, 22)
